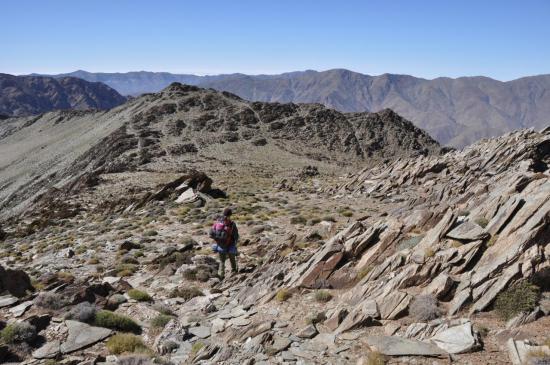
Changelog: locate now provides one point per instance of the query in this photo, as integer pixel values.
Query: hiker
(225, 233)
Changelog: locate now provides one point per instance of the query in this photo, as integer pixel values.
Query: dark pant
(232, 260)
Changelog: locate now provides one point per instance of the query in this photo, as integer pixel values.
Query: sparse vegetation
(108, 319)
(50, 300)
(283, 295)
(197, 346)
(481, 221)
(18, 332)
(317, 318)
(125, 343)
(323, 296)
(364, 272)
(376, 358)
(139, 295)
(298, 220)
(83, 312)
(521, 297)
(424, 308)
(161, 321)
(186, 293)
(429, 252)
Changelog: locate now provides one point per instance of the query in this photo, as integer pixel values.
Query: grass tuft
(125, 343)
(521, 297)
(139, 295)
(115, 321)
(283, 295)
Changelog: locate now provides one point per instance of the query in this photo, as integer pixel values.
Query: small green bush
(197, 346)
(186, 293)
(376, 358)
(283, 295)
(160, 321)
(18, 332)
(317, 318)
(482, 222)
(298, 220)
(125, 343)
(108, 319)
(139, 295)
(151, 233)
(521, 297)
(323, 296)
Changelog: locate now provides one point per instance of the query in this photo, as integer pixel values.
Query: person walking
(225, 233)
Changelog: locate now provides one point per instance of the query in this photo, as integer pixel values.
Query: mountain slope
(456, 112)
(26, 95)
(187, 126)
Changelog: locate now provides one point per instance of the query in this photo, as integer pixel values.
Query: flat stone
(7, 300)
(349, 336)
(288, 356)
(20, 309)
(82, 335)
(468, 231)
(187, 196)
(200, 331)
(397, 346)
(519, 351)
(280, 343)
(49, 351)
(240, 321)
(327, 339)
(218, 325)
(439, 286)
(361, 315)
(391, 328)
(457, 339)
(304, 354)
(341, 349)
(307, 332)
(394, 304)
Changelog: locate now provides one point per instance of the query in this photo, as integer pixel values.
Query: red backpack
(222, 232)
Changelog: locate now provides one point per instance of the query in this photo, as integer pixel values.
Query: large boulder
(15, 282)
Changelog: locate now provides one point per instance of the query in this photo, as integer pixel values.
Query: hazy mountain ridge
(454, 111)
(27, 95)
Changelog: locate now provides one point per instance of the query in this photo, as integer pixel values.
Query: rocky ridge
(188, 126)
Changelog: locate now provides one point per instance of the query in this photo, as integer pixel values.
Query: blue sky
(501, 39)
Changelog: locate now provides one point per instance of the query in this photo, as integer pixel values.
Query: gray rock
(307, 332)
(49, 351)
(468, 231)
(240, 322)
(20, 309)
(82, 335)
(457, 339)
(279, 344)
(397, 346)
(200, 331)
(519, 351)
(7, 300)
(218, 325)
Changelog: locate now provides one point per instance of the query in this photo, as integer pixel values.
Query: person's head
(227, 212)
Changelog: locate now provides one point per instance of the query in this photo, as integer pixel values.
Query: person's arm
(235, 233)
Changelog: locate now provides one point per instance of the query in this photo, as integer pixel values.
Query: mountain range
(455, 112)
(27, 95)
